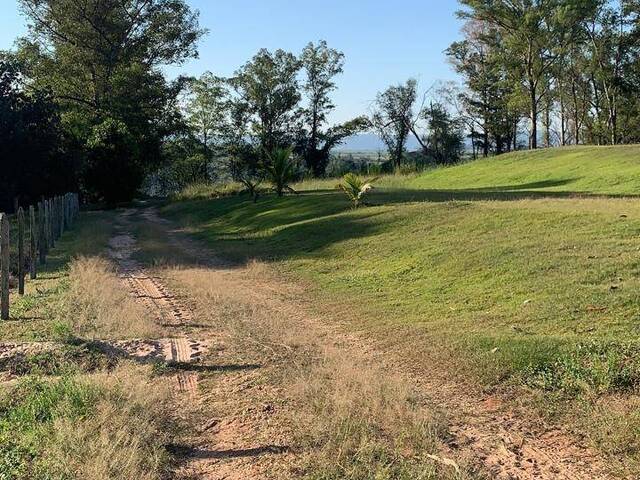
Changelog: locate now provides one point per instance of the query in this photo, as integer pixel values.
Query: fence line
(54, 216)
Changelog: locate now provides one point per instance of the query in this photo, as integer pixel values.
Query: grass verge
(37, 315)
(90, 427)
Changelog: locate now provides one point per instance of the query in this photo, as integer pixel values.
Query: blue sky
(385, 42)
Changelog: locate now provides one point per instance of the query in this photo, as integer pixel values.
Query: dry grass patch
(89, 427)
(98, 304)
(350, 418)
(359, 421)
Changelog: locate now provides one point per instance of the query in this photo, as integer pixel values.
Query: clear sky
(384, 41)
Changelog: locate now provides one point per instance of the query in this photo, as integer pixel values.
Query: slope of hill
(594, 170)
(485, 271)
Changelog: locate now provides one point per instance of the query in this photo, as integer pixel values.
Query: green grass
(494, 269)
(35, 316)
(518, 284)
(89, 427)
(28, 412)
(587, 170)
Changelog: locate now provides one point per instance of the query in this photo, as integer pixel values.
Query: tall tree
(479, 59)
(532, 31)
(268, 86)
(611, 49)
(444, 140)
(205, 112)
(102, 60)
(393, 117)
(321, 64)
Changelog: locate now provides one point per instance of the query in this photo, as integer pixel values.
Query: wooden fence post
(65, 210)
(52, 240)
(54, 218)
(4, 266)
(47, 223)
(32, 243)
(61, 214)
(20, 251)
(42, 242)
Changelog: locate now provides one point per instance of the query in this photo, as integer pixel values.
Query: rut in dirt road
(166, 309)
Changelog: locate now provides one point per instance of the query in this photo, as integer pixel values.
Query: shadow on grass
(198, 367)
(153, 355)
(389, 196)
(306, 224)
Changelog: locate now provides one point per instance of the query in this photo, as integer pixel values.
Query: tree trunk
(547, 124)
(563, 123)
(4, 266)
(485, 140)
(533, 116)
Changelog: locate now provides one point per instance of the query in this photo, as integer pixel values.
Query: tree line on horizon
(85, 105)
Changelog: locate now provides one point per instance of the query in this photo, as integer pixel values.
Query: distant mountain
(369, 142)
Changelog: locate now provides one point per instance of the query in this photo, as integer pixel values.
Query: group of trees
(398, 115)
(84, 103)
(274, 101)
(570, 67)
(87, 78)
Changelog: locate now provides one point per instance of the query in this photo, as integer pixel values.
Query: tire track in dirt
(165, 307)
(482, 427)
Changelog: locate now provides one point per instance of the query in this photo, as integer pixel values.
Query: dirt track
(246, 439)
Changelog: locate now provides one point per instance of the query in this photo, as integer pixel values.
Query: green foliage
(30, 130)
(112, 166)
(445, 141)
(313, 141)
(101, 61)
(393, 117)
(269, 91)
(355, 187)
(205, 115)
(281, 170)
(489, 114)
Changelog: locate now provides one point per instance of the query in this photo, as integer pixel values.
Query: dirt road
(246, 342)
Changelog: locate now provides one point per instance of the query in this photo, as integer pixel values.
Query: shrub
(282, 170)
(356, 187)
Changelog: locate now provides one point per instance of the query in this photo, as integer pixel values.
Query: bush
(282, 170)
(356, 187)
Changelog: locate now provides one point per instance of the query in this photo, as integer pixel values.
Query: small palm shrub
(251, 185)
(356, 187)
(282, 170)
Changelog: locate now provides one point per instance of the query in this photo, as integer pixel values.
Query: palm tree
(281, 170)
(355, 187)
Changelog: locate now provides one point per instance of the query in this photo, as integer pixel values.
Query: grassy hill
(485, 268)
(594, 170)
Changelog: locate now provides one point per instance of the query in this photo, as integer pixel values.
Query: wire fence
(45, 226)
